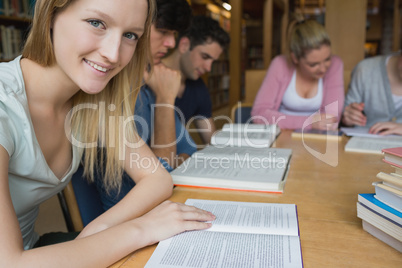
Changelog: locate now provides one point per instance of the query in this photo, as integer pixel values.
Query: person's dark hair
(173, 15)
(205, 30)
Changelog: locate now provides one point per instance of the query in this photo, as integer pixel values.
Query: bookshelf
(254, 45)
(15, 19)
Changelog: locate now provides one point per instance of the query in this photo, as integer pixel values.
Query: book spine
(9, 39)
(1, 7)
(25, 8)
(7, 10)
(14, 7)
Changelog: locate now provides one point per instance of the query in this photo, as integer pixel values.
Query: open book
(372, 145)
(243, 235)
(362, 132)
(250, 135)
(236, 168)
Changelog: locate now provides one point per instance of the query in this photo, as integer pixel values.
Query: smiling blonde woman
(82, 53)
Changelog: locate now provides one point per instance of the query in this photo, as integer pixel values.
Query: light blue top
(30, 179)
(370, 84)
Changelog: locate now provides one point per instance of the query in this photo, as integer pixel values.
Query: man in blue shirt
(196, 49)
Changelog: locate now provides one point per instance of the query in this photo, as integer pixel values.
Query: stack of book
(381, 213)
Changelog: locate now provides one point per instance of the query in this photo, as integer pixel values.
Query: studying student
(306, 81)
(197, 48)
(374, 98)
(167, 136)
(80, 55)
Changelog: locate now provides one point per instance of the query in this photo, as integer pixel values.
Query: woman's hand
(386, 128)
(169, 219)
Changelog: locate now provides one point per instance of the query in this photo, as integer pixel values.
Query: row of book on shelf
(219, 82)
(220, 98)
(381, 212)
(17, 8)
(11, 42)
(220, 67)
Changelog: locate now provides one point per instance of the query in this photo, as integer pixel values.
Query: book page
(251, 128)
(270, 154)
(228, 249)
(213, 171)
(250, 139)
(249, 217)
(218, 249)
(371, 145)
(362, 132)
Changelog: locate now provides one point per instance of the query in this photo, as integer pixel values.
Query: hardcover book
(381, 235)
(373, 203)
(379, 221)
(371, 145)
(393, 156)
(235, 168)
(388, 195)
(394, 181)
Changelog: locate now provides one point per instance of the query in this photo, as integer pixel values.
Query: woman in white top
(67, 94)
(304, 88)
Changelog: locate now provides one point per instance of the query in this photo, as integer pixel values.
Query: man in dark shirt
(196, 49)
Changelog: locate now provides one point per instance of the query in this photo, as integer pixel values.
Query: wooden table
(331, 234)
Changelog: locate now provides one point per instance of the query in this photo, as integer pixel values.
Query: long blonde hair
(305, 35)
(118, 97)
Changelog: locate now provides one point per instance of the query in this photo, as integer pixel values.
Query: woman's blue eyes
(95, 23)
(99, 24)
(131, 36)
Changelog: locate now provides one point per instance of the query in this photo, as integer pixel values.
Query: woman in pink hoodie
(303, 89)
